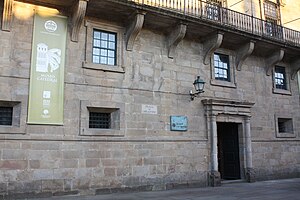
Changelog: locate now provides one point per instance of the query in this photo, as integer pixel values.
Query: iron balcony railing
(227, 18)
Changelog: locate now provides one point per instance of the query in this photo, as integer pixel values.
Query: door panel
(228, 151)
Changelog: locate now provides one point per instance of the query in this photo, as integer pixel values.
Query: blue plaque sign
(179, 123)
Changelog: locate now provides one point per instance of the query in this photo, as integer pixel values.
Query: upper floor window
(213, 9)
(272, 18)
(280, 78)
(104, 47)
(221, 67)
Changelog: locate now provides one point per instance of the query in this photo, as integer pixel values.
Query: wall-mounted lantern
(199, 86)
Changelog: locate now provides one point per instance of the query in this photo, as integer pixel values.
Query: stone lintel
(78, 15)
(7, 15)
(175, 37)
(243, 53)
(295, 67)
(211, 43)
(227, 107)
(134, 29)
(273, 59)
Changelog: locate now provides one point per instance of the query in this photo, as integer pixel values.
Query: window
(280, 78)
(213, 9)
(221, 66)
(272, 18)
(101, 118)
(284, 126)
(10, 117)
(104, 47)
(6, 116)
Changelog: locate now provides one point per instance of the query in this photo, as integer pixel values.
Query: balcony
(226, 18)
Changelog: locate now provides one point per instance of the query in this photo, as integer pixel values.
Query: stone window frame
(286, 91)
(118, 115)
(106, 27)
(284, 134)
(18, 125)
(223, 83)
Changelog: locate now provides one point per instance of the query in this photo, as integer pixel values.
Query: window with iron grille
(100, 120)
(280, 78)
(6, 116)
(221, 67)
(104, 47)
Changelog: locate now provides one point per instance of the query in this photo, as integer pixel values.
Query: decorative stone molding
(295, 67)
(175, 37)
(211, 43)
(134, 29)
(273, 59)
(7, 15)
(77, 18)
(243, 53)
(227, 107)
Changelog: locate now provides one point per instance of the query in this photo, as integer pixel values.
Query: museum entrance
(228, 151)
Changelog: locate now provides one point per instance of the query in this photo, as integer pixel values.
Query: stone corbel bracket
(7, 15)
(273, 59)
(79, 12)
(134, 29)
(243, 53)
(211, 44)
(175, 37)
(295, 66)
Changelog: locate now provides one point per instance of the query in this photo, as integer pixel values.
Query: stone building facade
(150, 134)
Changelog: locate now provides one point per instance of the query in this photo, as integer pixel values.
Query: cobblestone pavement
(287, 189)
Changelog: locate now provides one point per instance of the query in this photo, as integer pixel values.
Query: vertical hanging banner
(47, 70)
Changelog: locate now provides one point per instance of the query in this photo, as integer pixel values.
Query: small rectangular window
(100, 120)
(6, 116)
(104, 47)
(280, 78)
(285, 125)
(221, 67)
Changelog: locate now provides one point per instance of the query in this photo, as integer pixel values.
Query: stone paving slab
(287, 189)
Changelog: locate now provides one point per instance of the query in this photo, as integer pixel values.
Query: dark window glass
(6, 114)
(285, 125)
(280, 78)
(221, 65)
(100, 120)
(104, 47)
(213, 9)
